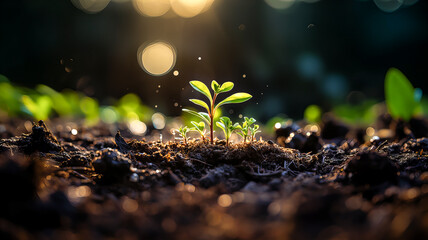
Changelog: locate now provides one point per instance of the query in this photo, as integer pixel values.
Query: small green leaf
(399, 95)
(235, 98)
(200, 115)
(198, 126)
(200, 103)
(226, 87)
(202, 88)
(215, 86)
(312, 113)
(221, 125)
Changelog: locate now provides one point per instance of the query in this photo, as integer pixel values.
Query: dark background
(308, 54)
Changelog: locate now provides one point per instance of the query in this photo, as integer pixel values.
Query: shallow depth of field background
(288, 54)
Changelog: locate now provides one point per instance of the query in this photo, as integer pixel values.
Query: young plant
(211, 107)
(401, 98)
(245, 128)
(253, 131)
(228, 128)
(182, 132)
(200, 128)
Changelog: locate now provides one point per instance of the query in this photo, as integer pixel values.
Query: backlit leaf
(200, 103)
(235, 98)
(226, 87)
(202, 88)
(399, 95)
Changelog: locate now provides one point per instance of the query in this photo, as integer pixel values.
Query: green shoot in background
(401, 98)
(228, 127)
(182, 132)
(200, 128)
(246, 128)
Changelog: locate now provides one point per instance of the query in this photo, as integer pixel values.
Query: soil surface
(305, 185)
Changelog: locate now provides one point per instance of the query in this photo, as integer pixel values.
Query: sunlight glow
(157, 58)
(190, 8)
(151, 8)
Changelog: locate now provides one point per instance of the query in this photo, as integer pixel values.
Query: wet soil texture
(92, 187)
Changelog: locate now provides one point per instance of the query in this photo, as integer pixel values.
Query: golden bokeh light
(190, 8)
(157, 58)
(137, 127)
(151, 8)
(90, 6)
(224, 200)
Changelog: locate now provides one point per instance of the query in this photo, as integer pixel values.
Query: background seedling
(182, 132)
(208, 117)
(401, 98)
(245, 128)
(253, 131)
(200, 128)
(228, 128)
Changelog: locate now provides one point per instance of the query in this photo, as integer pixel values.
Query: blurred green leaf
(39, 108)
(399, 95)
(90, 108)
(312, 114)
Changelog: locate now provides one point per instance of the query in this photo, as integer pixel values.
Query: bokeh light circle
(151, 8)
(157, 58)
(388, 5)
(280, 4)
(190, 8)
(90, 6)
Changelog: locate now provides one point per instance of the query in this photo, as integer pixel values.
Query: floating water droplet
(240, 116)
(199, 58)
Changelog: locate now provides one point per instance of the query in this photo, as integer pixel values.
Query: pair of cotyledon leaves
(217, 88)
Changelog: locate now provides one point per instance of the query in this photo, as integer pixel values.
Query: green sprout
(313, 114)
(39, 108)
(246, 129)
(253, 131)
(182, 132)
(228, 128)
(208, 117)
(200, 128)
(401, 98)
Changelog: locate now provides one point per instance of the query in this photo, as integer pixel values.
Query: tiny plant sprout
(182, 132)
(200, 128)
(246, 128)
(228, 128)
(253, 131)
(208, 117)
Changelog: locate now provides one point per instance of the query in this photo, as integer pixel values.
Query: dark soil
(328, 186)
